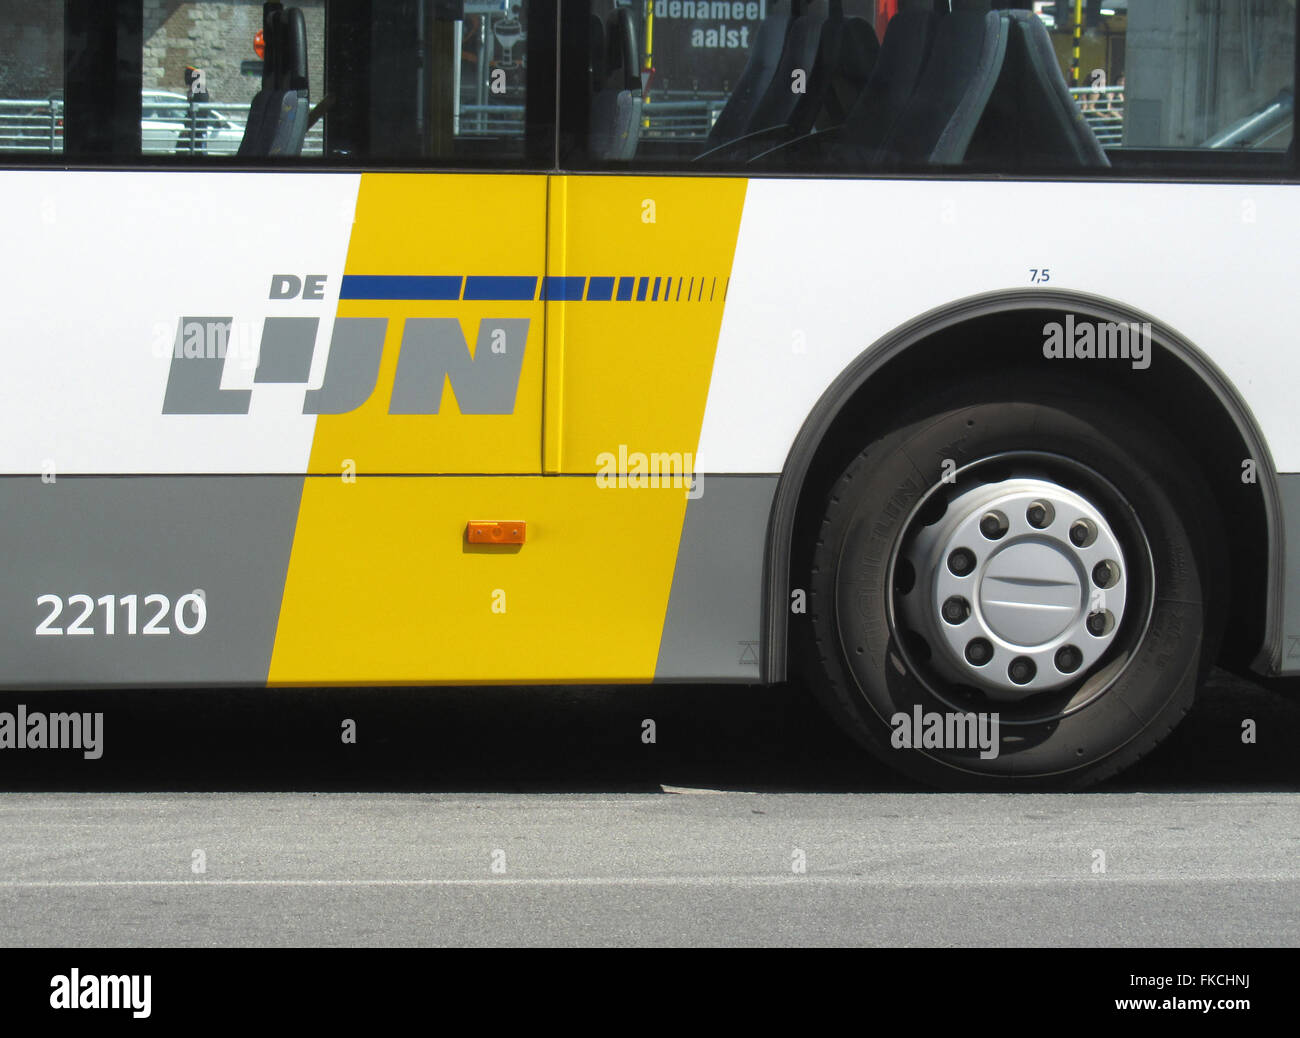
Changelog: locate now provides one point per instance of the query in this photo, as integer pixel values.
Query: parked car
(167, 126)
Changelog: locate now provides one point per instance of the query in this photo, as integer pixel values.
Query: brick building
(214, 35)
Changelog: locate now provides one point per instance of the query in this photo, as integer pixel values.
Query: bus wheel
(1009, 590)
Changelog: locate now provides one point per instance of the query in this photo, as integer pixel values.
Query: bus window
(31, 78)
(202, 73)
(339, 82)
(724, 80)
(1213, 77)
(417, 80)
(846, 86)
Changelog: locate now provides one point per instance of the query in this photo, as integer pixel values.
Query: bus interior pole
(648, 70)
(1078, 42)
(457, 43)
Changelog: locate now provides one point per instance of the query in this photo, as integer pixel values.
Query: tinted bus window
(343, 82)
(846, 86)
(31, 78)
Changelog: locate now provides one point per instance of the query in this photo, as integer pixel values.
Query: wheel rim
(1031, 582)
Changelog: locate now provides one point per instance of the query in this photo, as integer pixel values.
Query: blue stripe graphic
(493, 288)
(374, 286)
(568, 289)
(500, 288)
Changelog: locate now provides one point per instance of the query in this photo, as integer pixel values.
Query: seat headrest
(295, 50)
(273, 75)
(623, 50)
(284, 31)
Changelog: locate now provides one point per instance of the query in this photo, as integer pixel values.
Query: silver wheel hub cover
(1020, 587)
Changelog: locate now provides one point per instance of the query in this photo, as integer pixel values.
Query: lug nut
(1022, 670)
(1040, 515)
(961, 562)
(1099, 624)
(978, 652)
(994, 525)
(956, 610)
(1104, 574)
(1082, 533)
(1068, 659)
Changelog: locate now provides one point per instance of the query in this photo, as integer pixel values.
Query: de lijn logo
(433, 350)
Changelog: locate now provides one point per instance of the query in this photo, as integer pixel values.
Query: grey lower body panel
(1289, 488)
(715, 609)
(229, 538)
(226, 537)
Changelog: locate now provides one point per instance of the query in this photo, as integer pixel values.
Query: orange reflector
(259, 43)
(495, 532)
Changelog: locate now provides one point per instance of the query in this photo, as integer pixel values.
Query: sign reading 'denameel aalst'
(703, 44)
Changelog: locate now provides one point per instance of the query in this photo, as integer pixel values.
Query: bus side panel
(137, 307)
(715, 610)
(384, 587)
(630, 571)
(147, 580)
(451, 265)
(1211, 261)
(637, 352)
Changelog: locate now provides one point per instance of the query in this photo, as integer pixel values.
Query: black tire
(867, 667)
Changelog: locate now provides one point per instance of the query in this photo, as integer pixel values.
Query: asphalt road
(746, 822)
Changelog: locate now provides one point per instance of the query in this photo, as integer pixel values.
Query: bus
(516, 342)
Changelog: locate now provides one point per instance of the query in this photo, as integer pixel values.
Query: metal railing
(31, 126)
(165, 129)
(1103, 111)
(686, 115)
(680, 114)
(1267, 126)
(490, 121)
(673, 114)
(216, 129)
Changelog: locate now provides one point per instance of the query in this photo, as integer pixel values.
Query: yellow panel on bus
(384, 587)
(638, 350)
(453, 263)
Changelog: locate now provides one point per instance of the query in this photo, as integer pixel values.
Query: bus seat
(965, 62)
(903, 53)
(760, 68)
(254, 126)
(291, 123)
(615, 124)
(597, 45)
(277, 117)
(259, 127)
(847, 51)
(850, 71)
(1031, 119)
(836, 55)
(803, 51)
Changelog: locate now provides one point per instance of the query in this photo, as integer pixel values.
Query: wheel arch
(824, 436)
